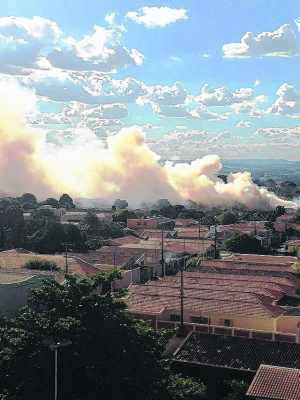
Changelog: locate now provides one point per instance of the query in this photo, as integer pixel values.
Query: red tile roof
(243, 301)
(276, 383)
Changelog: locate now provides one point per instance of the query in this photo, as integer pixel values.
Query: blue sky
(184, 71)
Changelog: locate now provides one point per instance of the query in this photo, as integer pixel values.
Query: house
(275, 383)
(261, 296)
(142, 223)
(224, 232)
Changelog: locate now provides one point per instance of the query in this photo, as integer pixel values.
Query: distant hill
(276, 169)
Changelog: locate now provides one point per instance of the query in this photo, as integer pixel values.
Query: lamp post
(54, 347)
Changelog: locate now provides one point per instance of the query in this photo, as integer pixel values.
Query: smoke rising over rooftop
(127, 168)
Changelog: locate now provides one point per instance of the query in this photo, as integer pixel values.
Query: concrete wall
(218, 319)
(287, 324)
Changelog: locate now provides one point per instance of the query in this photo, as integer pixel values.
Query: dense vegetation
(109, 355)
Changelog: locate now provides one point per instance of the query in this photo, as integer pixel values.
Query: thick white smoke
(127, 168)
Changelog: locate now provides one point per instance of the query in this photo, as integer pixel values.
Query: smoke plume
(127, 168)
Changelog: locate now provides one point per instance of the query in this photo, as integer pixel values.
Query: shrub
(41, 265)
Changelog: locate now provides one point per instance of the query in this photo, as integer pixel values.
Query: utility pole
(66, 256)
(215, 243)
(163, 266)
(55, 347)
(181, 330)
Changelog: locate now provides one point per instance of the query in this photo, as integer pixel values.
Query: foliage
(121, 204)
(227, 218)
(11, 224)
(109, 357)
(183, 388)
(96, 228)
(123, 215)
(66, 201)
(41, 265)
(243, 244)
(29, 199)
(51, 202)
(236, 390)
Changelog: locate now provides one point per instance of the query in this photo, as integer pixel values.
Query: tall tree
(109, 357)
(66, 201)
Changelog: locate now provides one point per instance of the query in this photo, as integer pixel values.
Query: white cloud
(110, 18)
(88, 88)
(100, 51)
(22, 41)
(176, 59)
(166, 95)
(175, 111)
(153, 17)
(222, 96)
(181, 111)
(281, 133)
(281, 42)
(250, 107)
(243, 124)
(107, 111)
(287, 103)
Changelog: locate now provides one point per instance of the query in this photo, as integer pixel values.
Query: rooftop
(211, 296)
(237, 353)
(15, 261)
(277, 383)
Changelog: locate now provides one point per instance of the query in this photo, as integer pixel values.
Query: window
(174, 317)
(200, 320)
(228, 322)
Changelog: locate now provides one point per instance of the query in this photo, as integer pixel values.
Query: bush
(41, 265)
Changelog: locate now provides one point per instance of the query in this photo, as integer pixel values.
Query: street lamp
(54, 347)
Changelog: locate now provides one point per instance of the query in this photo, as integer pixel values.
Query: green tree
(109, 357)
(75, 237)
(11, 224)
(51, 202)
(227, 218)
(41, 265)
(243, 244)
(48, 239)
(66, 201)
(29, 199)
(121, 204)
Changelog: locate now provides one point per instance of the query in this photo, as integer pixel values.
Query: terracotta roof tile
(277, 383)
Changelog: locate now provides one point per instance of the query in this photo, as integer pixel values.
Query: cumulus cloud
(38, 43)
(166, 95)
(287, 103)
(107, 111)
(181, 111)
(281, 42)
(87, 88)
(157, 17)
(222, 96)
(22, 41)
(100, 51)
(279, 133)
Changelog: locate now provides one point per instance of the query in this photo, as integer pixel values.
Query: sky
(198, 77)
